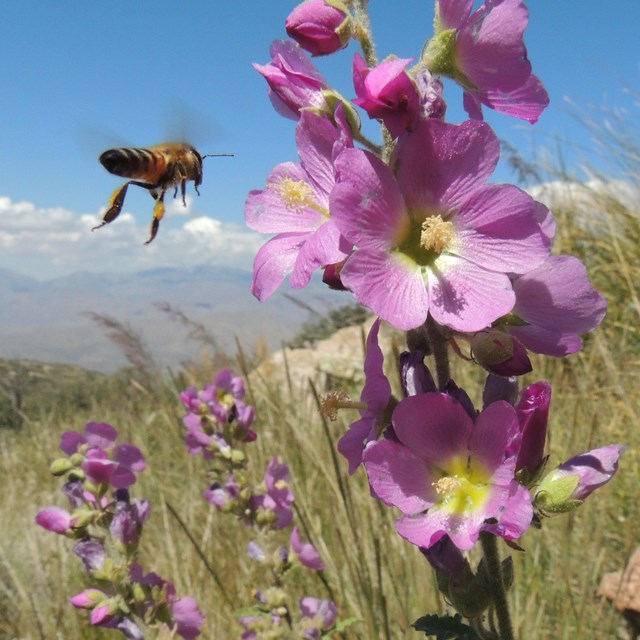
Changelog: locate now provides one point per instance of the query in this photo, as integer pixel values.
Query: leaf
(341, 626)
(445, 627)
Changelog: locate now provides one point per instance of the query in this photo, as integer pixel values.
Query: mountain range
(54, 320)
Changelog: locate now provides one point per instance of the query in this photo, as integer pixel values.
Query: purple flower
(375, 397)
(186, 617)
(55, 519)
(533, 416)
(219, 495)
(434, 238)
(294, 82)
(279, 498)
(129, 517)
(448, 474)
(306, 552)
(387, 93)
(295, 206)
(105, 463)
(484, 52)
(317, 616)
(319, 27)
(92, 554)
(557, 303)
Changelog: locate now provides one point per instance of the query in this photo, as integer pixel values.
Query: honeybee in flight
(158, 169)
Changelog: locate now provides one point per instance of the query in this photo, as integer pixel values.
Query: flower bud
(88, 598)
(500, 353)
(60, 466)
(320, 26)
(533, 415)
(565, 488)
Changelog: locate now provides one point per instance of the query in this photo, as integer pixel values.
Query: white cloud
(46, 243)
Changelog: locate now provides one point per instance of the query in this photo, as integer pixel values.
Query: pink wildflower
(434, 238)
(295, 206)
(449, 474)
(319, 27)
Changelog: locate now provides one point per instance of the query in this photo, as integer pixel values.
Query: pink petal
(498, 230)
(274, 262)
(391, 285)
(466, 297)
(267, 212)
(549, 343)
(398, 477)
(494, 428)
(54, 519)
(433, 426)
(439, 164)
(366, 203)
(321, 248)
(490, 50)
(558, 297)
(100, 435)
(453, 13)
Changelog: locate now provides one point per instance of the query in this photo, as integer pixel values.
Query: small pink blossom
(55, 519)
(319, 27)
(306, 552)
(294, 82)
(295, 206)
(387, 93)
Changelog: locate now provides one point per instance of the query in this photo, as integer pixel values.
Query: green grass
(371, 573)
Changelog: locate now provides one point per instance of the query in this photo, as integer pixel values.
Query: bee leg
(183, 189)
(115, 205)
(158, 213)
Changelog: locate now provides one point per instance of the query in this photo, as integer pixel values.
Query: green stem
(440, 350)
(494, 570)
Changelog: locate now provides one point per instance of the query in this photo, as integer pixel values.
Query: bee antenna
(218, 155)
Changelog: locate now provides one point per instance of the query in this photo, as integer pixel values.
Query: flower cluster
(414, 228)
(218, 428)
(106, 530)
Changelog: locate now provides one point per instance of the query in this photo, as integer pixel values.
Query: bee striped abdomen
(141, 164)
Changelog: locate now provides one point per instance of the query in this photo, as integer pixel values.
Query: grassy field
(371, 573)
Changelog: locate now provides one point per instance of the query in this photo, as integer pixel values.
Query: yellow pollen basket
(437, 234)
(465, 488)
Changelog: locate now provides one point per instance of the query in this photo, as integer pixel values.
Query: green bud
(60, 466)
(554, 494)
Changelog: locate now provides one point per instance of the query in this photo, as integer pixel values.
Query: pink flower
(55, 519)
(186, 617)
(435, 238)
(375, 396)
(557, 302)
(306, 552)
(485, 53)
(533, 416)
(105, 462)
(317, 616)
(319, 27)
(387, 93)
(294, 82)
(449, 474)
(279, 498)
(295, 206)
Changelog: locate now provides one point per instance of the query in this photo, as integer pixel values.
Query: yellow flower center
(296, 195)
(436, 234)
(464, 486)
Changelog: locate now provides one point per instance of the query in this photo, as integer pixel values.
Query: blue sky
(79, 77)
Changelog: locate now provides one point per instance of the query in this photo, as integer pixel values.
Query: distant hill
(47, 321)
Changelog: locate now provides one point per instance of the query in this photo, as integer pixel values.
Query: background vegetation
(372, 574)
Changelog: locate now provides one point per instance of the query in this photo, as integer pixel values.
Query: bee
(158, 169)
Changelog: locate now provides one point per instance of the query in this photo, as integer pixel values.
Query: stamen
(437, 234)
(296, 195)
(447, 485)
(336, 400)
